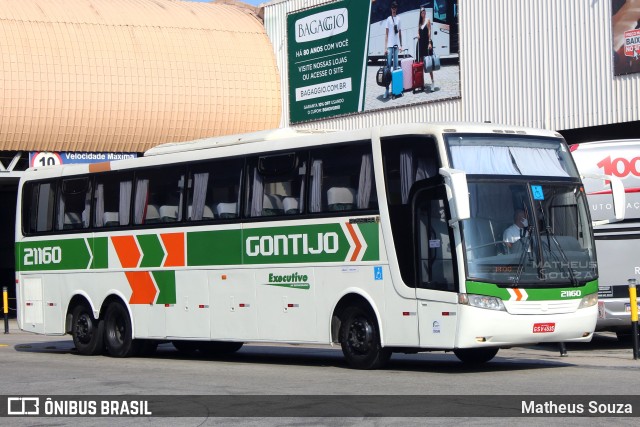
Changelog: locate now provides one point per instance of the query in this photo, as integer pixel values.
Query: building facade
(541, 63)
(82, 80)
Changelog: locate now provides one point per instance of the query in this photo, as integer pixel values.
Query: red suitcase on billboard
(417, 71)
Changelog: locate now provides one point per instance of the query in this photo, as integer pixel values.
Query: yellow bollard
(634, 316)
(5, 304)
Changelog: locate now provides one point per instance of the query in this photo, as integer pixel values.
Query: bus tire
(118, 333)
(475, 356)
(219, 348)
(360, 340)
(87, 332)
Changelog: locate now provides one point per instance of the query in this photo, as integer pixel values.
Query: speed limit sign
(44, 158)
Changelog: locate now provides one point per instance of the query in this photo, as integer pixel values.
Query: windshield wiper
(552, 237)
(525, 242)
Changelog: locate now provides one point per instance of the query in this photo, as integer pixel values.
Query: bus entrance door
(435, 272)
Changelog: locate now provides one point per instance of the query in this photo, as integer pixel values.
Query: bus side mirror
(618, 194)
(457, 194)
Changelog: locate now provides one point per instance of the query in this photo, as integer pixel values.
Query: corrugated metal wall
(541, 63)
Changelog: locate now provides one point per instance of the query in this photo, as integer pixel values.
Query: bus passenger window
(342, 179)
(277, 185)
(214, 190)
(112, 200)
(74, 204)
(158, 195)
(37, 207)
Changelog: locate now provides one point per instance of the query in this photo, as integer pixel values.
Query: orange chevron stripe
(127, 251)
(174, 245)
(518, 294)
(143, 291)
(354, 236)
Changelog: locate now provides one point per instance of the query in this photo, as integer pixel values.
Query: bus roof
(386, 130)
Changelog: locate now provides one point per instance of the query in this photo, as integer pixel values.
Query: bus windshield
(528, 232)
(529, 222)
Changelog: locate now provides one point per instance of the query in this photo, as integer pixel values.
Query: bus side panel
(41, 310)
(336, 282)
(287, 308)
(190, 316)
(400, 320)
(31, 313)
(234, 309)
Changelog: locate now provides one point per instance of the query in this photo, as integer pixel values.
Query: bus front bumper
(488, 328)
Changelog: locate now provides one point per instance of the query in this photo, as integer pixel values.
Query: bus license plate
(543, 328)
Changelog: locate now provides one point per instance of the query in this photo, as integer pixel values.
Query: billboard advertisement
(625, 24)
(353, 56)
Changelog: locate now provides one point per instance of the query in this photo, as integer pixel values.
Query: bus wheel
(360, 340)
(188, 348)
(118, 333)
(88, 333)
(475, 356)
(219, 348)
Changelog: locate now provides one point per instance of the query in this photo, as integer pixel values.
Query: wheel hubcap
(360, 336)
(84, 328)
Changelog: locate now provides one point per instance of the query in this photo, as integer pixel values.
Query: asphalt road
(40, 365)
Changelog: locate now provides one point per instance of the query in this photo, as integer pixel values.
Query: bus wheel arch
(86, 330)
(356, 325)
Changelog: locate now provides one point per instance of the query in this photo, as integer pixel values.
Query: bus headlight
(482, 301)
(589, 301)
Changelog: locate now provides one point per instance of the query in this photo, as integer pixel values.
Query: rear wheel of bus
(475, 356)
(360, 339)
(88, 332)
(118, 333)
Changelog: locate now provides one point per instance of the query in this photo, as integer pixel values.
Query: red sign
(543, 328)
(632, 43)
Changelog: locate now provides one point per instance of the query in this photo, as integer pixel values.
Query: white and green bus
(388, 239)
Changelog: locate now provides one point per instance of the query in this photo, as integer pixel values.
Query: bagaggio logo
(23, 406)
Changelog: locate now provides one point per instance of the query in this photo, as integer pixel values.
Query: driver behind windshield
(516, 230)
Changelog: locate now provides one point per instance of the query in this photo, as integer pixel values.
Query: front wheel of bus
(118, 332)
(88, 333)
(360, 340)
(475, 356)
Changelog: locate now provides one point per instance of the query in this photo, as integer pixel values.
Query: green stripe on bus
(371, 233)
(99, 248)
(166, 281)
(533, 294)
(316, 243)
(51, 255)
(223, 247)
(152, 252)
